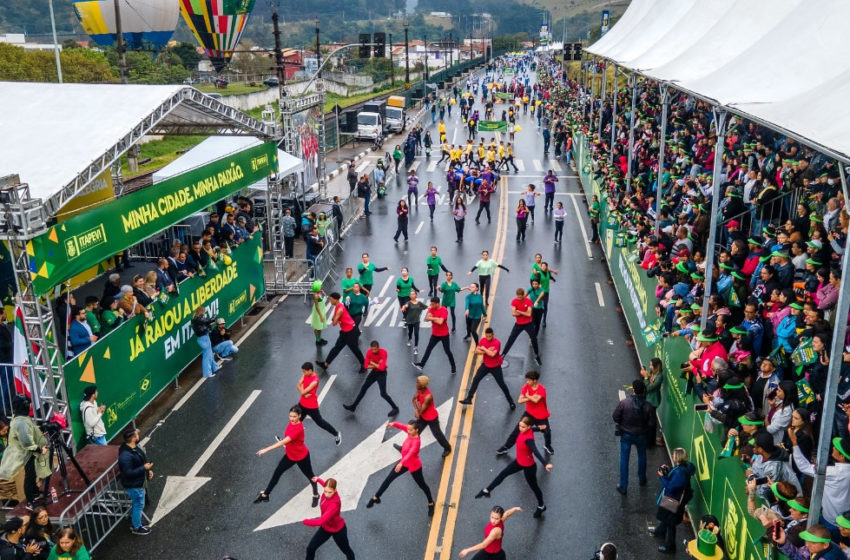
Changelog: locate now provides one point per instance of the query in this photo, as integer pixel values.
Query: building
(20, 40)
(293, 61)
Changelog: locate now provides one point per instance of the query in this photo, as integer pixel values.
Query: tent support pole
(843, 174)
(613, 120)
(602, 98)
(662, 141)
(833, 376)
(631, 134)
(720, 115)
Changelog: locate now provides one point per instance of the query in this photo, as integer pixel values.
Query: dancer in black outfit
(526, 451)
(376, 363)
(295, 453)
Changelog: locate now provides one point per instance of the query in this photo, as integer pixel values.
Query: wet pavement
(586, 362)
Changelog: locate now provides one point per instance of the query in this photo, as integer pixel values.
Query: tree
(188, 55)
(78, 65)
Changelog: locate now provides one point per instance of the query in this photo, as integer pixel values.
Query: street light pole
(318, 52)
(392, 64)
(406, 57)
(425, 40)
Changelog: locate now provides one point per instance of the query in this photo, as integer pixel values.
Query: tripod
(58, 448)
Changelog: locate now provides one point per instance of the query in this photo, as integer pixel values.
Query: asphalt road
(585, 363)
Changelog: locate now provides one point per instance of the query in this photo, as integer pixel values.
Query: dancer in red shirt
(376, 363)
(526, 451)
(533, 394)
(409, 462)
(308, 386)
(295, 453)
(331, 523)
(491, 547)
(521, 308)
(438, 317)
(426, 413)
(349, 334)
(491, 364)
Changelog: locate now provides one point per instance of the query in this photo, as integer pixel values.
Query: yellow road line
(462, 420)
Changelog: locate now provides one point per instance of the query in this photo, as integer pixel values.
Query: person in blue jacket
(80, 335)
(675, 484)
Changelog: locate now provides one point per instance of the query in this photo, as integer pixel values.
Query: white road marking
(583, 231)
(386, 285)
(414, 166)
(520, 164)
(432, 166)
(556, 167)
(538, 165)
(362, 167)
(324, 392)
(599, 295)
(621, 394)
(419, 227)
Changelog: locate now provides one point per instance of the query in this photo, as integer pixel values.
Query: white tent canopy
(783, 62)
(60, 137)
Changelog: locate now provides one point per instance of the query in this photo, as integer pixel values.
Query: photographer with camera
(676, 492)
(201, 325)
(135, 470)
(27, 449)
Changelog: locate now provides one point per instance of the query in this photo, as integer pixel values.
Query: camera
(664, 470)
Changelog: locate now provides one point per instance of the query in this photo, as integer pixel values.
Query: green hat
(695, 328)
(814, 262)
(775, 489)
(704, 547)
(840, 520)
(730, 386)
(815, 218)
(738, 330)
(840, 444)
(799, 507)
(765, 258)
(754, 241)
(743, 420)
(701, 207)
(768, 232)
(726, 266)
(734, 194)
(738, 275)
(796, 305)
(703, 338)
(807, 536)
(681, 267)
(814, 245)
(780, 253)
(697, 276)
(695, 306)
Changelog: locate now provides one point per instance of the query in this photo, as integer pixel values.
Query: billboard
(606, 17)
(307, 148)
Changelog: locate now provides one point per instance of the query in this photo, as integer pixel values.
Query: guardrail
(98, 509)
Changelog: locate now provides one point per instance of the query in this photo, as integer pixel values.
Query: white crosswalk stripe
(556, 166)
(520, 164)
(538, 166)
(414, 166)
(432, 166)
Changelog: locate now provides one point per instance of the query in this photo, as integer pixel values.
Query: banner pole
(720, 115)
(631, 134)
(665, 104)
(613, 120)
(602, 96)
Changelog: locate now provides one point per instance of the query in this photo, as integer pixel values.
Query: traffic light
(365, 50)
(380, 40)
(575, 51)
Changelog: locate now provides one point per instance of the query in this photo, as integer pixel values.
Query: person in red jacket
(491, 547)
(295, 453)
(526, 451)
(409, 462)
(521, 309)
(331, 523)
(376, 363)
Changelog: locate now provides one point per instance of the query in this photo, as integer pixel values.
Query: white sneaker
(415, 351)
(408, 342)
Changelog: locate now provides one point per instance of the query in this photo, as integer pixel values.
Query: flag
(21, 356)
(492, 126)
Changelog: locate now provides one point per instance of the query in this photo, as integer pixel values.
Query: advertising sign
(84, 240)
(606, 16)
(492, 126)
(134, 362)
(721, 481)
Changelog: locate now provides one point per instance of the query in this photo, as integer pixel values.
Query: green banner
(133, 363)
(722, 482)
(86, 239)
(492, 126)
(504, 95)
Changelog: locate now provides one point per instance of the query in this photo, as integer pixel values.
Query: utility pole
(119, 45)
(392, 64)
(425, 40)
(55, 43)
(318, 52)
(278, 55)
(406, 57)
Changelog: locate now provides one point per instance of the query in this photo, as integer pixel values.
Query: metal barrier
(158, 246)
(98, 509)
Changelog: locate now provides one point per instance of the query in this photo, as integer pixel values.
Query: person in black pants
(376, 363)
(533, 395)
(491, 364)
(427, 415)
(438, 316)
(295, 453)
(485, 268)
(401, 211)
(521, 308)
(308, 387)
(349, 334)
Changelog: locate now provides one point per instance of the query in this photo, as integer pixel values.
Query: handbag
(668, 503)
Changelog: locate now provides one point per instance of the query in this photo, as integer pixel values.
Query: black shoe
(261, 497)
(537, 361)
(372, 501)
(338, 438)
(512, 405)
(362, 370)
(397, 446)
(321, 342)
(418, 365)
(538, 513)
(431, 509)
(621, 490)
(642, 483)
(482, 494)
(666, 550)
(141, 530)
(467, 400)
(393, 412)
(323, 365)
(447, 452)
(349, 408)
(502, 450)
(315, 501)
(548, 449)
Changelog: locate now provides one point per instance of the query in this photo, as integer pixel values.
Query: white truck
(394, 113)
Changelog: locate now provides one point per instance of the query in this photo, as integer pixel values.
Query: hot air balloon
(145, 24)
(217, 25)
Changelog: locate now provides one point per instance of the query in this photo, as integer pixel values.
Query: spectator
(222, 346)
(770, 462)
(69, 545)
(201, 327)
(818, 545)
(134, 469)
(112, 287)
(11, 547)
(80, 335)
(676, 485)
(633, 417)
(92, 415)
(164, 281)
(92, 318)
(27, 450)
(185, 270)
(7, 375)
(128, 304)
(836, 494)
(288, 226)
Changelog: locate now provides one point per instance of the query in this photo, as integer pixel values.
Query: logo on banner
(259, 162)
(78, 244)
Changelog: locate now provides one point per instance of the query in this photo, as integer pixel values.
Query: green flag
(493, 126)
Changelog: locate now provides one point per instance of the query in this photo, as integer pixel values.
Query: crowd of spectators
(760, 365)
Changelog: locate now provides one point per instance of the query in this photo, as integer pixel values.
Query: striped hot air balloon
(145, 24)
(217, 25)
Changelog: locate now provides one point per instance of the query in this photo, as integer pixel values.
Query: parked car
(272, 82)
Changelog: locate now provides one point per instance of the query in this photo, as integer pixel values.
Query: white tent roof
(58, 137)
(217, 147)
(783, 62)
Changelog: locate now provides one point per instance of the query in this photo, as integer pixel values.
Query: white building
(20, 40)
